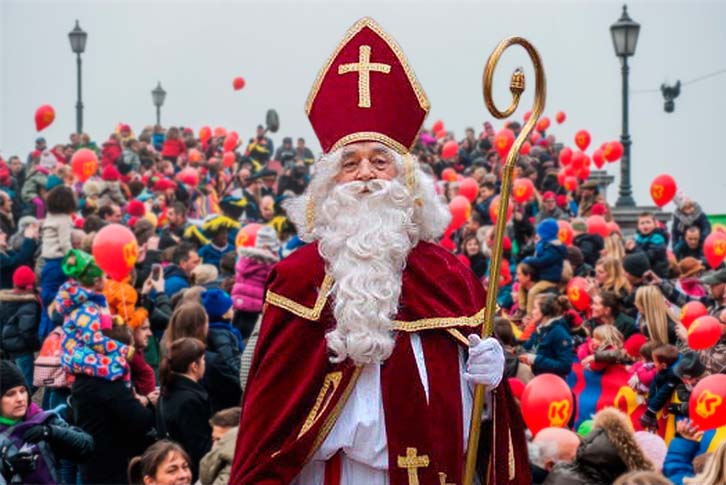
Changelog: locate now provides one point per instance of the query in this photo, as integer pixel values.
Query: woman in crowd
(610, 276)
(184, 409)
(606, 311)
(614, 247)
(550, 345)
(32, 440)
(163, 463)
(657, 322)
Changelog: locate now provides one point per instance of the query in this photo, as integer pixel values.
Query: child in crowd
(550, 345)
(604, 348)
(216, 465)
(663, 385)
(643, 371)
(651, 240)
(212, 252)
(549, 255)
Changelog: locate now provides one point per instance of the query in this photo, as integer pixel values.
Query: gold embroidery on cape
(442, 479)
(442, 322)
(411, 462)
(357, 27)
(512, 461)
(330, 385)
(364, 67)
(458, 336)
(301, 310)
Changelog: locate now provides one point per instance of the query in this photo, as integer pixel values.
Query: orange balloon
(44, 116)
(707, 404)
(450, 150)
(228, 159)
(195, 155)
(570, 183)
(84, 164)
(613, 151)
(469, 188)
(522, 190)
(205, 133)
(219, 132)
(577, 293)
(543, 124)
(546, 403)
(714, 249)
(494, 210)
(565, 233)
(448, 174)
(247, 235)
(582, 139)
(704, 333)
(115, 250)
(460, 208)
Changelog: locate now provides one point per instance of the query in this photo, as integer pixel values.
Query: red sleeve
(142, 374)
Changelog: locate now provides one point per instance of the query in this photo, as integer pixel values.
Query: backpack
(48, 371)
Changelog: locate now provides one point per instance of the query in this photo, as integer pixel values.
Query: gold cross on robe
(364, 67)
(411, 462)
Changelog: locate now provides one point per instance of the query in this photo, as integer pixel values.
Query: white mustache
(358, 187)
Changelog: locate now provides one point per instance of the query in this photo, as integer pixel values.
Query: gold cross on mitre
(411, 462)
(364, 67)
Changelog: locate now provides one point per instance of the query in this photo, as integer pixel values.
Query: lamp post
(625, 36)
(78, 36)
(157, 96)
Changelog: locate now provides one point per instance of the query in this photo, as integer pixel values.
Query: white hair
(365, 232)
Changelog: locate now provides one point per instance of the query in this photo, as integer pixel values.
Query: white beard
(366, 233)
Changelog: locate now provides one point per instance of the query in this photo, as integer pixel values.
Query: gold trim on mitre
(369, 136)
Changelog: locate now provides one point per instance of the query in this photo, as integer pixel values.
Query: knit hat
(81, 266)
(689, 266)
(216, 303)
(689, 366)
(24, 278)
(636, 264)
(267, 238)
(137, 318)
(547, 229)
(136, 208)
(653, 446)
(549, 195)
(110, 174)
(633, 344)
(10, 376)
(52, 181)
(579, 225)
(92, 188)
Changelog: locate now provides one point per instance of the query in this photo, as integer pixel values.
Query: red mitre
(367, 92)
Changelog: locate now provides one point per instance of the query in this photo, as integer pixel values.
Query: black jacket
(590, 245)
(118, 423)
(19, 319)
(10, 260)
(69, 442)
(186, 413)
(221, 377)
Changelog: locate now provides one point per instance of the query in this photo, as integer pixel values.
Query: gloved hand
(678, 408)
(648, 420)
(486, 361)
(40, 432)
(18, 464)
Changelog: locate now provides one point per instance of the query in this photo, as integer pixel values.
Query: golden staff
(516, 86)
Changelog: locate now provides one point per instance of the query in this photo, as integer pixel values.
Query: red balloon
(546, 402)
(597, 225)
(438, 126)
(450, 149)
(584, 172)
(560, 117)
(527, 116)
(448, 174)
(230, 141)
(219, 132)
(613, 227)
(714, 248)
(84, 164)
(228, 159)
(503, 141)
(522, 190)
(565, 233)
(663, 189)
(578, 161)
(460, 208)
(582, 139)
(238, 83)
(706, 406)
(494, 210)
(189, 176)
(440, 134)
(535, 137)
(115, 251)
(561, 176)
(613, 151)
(205, 133)
(597, 157)
(691, 311)
(469, 188)
(195, 155)
(570, 183)
(543, 124)
(526, 147)
(247, 235)
(565, 156)
(704, 332)
(44, 116)
(577, 293)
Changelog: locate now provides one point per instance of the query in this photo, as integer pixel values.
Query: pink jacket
(645, 371)
(251, 272)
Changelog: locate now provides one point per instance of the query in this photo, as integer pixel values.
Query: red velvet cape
(294, 393)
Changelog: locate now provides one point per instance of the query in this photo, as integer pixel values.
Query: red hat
(633, 344)
(110, 174)
(188, 131)
(78, 222)
(162, 185)
(598, 209)
(548, 195)
(367, 92)
(124, 127)
(24, 278)
(136, 208)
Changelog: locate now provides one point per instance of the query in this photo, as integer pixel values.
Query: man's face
(300, 144)
(142, 334)
(220, 238)
(260, 132)
(688, 208)
(40, 145)
(116, 216)
(16, 166)
(365, 161)
(693, 238)
(75, 140)
(217, 433)
(190, 263)
(646, 225)
(549, 204)
(68, 152)
(267, 208)
(6, 203)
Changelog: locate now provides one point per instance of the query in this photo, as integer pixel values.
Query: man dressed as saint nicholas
(368, 350)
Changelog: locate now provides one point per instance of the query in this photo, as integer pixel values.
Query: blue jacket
(212, 255)
(10, 260)
(175, 280)
(678, 462)
(654, 245)
(548, 260)
(552, 345)
(661, 389)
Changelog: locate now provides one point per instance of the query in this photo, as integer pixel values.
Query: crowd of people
(140, 380)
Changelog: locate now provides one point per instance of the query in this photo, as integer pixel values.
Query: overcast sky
(196, 48)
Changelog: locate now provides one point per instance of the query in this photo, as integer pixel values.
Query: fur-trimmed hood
(622, 436)
(261, 255)
(8, 296)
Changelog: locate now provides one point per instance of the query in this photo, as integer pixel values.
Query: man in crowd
(176, 275)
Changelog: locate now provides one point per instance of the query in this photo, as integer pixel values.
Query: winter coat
(216, 465)
(186, 413)
(173, 148)
(11, 259)
(34, 185)
(678, 462)
(251, 272)
(552, 345)
(212, 254)
(483, 209)
(478, 264)
(661, 389)
(681, 222)
(590, 245)
(55, 232)
(548, 260)
(111, 194)
(142, 374)
(175, 280)
(654, 246)
(645, 373)
(221, 376)
(609, 451)
(714, 358)
(118, 423)
(623, 323)
(110, 152)
(51, 279)
(65, 441)
(19, 319)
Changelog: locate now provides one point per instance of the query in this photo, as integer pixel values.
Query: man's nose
(365, 171)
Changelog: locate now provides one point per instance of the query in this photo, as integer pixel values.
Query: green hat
(584, 428)
(81, 266)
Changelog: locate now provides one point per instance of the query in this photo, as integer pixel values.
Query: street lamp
(625, 36)
(157, 96)
(77, 36)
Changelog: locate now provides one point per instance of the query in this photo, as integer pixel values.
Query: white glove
(486, 362)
